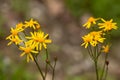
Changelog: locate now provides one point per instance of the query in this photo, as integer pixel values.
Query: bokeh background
(63, 20)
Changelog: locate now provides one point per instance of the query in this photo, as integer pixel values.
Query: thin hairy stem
(106, 72)
(103, 70)
(96, 70)
(39, 68)
(46, 67)
(90, 54)
(96, 62)
(53, 75)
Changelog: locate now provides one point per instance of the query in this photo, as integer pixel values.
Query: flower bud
(55, 58)
(107, 63)
(47, 61)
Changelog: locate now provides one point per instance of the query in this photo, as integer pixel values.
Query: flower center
(91, 19)
(20, 25)
(14, 40)
(14, 32)
(27, 50)
(108, 24)
(88, 39)
(39, 40)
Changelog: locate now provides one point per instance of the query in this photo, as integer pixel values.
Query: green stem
(102, 72)
(53, 68)
(99, 53)
(101, 77)
(39, 68)
(46, 54)
(106, 72)
(93, 54)
(96, 53)
(53, 75)
(96, 70)
(90, 51)
(46, 67)
(90, 54)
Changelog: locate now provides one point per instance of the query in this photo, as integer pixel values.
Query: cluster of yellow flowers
(93, 38)
(97, 35)
(31, 43)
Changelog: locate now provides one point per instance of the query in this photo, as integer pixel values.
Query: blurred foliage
(20, 6)
(10, 71)
(99, 8)
(1, 25)
(106, 9)
(78, 78)
(89, 77)
(77, 7)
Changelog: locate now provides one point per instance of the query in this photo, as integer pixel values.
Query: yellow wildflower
(87, 39)
(38, 39)
(93, 38)
(31, 23)
(20, 26)
(97, 36)
(15, 40)
(90, 21)
(28, 50)
(106, 49)
(14, 32)
(107, 25)
(38, 26)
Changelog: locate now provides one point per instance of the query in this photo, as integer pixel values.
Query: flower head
(87, 39)
(14, 33)
(89, 22)
(93, 38)
(15, 40)
(32, 24)
(106, 49)
(97, 36)
(38, 39)
(20, 26)
(28, 50)
(107, 25)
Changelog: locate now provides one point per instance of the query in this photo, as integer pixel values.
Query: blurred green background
(63, 20)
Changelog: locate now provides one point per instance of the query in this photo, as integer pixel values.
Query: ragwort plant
(97, 43)
(31, 42)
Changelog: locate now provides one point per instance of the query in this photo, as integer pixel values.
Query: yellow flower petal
(22, 54)
(48, 41)
(45, 46)
(31, 57)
